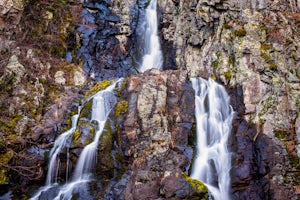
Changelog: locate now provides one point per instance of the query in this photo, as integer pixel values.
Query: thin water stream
(103, 103)
(152, 52)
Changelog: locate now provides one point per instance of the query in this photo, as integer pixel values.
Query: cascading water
(214, 116)
(152, 53)
(102, 104)
(59, 144)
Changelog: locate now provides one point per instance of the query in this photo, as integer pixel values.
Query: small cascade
(214, 116)
(59, 144)
(102, 103)
(152, 52)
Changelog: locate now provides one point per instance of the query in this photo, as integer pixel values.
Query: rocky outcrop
(250, 46)
(105, 38)
(155, 137)
(33, 98)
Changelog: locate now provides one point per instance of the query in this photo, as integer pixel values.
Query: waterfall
(59, 144)
(102, 103)
(152, 52)
(214, 116)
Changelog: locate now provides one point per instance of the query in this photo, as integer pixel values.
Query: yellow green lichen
(195, 184)
(201, 10)
(14, 120)
(231, 60)
(125, 82)
(228, 75)
(3, 176)
(266, 57)
(86, 110)
(281, 135)
(76, 135)
(215, 65)
(119, 91)
(265, 47)
(121, 108)
(4, 159)
(213, 77)
(99, 86)
(294, 161)
(106, 139)
(273, 67)
(240, 32)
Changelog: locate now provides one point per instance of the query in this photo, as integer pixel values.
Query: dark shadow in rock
(168, 47)
(105, 42)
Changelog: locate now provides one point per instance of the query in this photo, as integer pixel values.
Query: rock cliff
(50, 51)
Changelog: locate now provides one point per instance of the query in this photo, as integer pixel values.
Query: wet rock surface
(105, 38)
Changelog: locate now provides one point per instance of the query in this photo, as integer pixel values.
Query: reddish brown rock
(155, 135)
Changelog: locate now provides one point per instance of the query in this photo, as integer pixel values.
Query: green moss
(266, 57)
(99, 86)
(125, 82)
(240, 32)
(232, 60)
(76, 135)
(14, 120)
(273, 67)
(3, 176)
(213, 77)
(86, 110)
(281, 135)
(68, 123)
(4, 159)
(228, 75)
(107, 137)
(219, 54)
(265, 47)
(201, 10)
(197, 185)
(215, 65)
(119, 91)
(93, 132)
(294, 161)
(121, 108)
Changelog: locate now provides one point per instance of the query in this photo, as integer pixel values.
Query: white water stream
(152, 52)
(103, 103)
(214, 116)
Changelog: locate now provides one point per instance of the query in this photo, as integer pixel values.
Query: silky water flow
(152, 52)
(214, 116)
(102, 103)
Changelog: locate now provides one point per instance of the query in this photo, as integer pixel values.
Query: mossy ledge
(99, 86)
(196, 185)
(121, 108)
